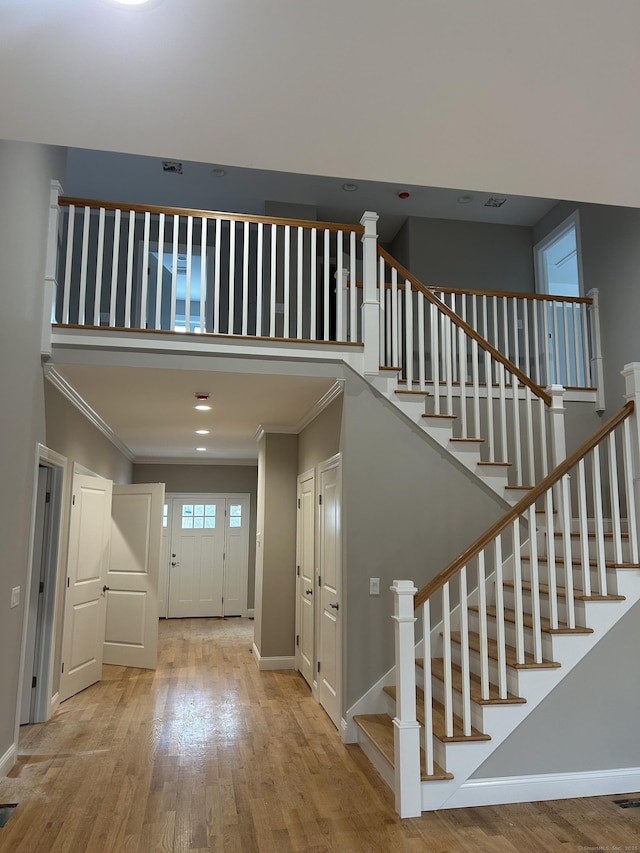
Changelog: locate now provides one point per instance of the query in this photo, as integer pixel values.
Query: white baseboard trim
(8, 760)
(265, 664)
(251, 613)
(546, 786)
(53, 704)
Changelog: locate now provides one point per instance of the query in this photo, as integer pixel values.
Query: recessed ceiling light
(202, 408)
(132, 2)
(218, 173)
(201, 449)
(202, 432)
(349, 188)
(465, 199)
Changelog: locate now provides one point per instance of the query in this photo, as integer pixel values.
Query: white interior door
(131, 634)
(163, 586)
(87, 564)
(305, 629)
(329, 670)
(196, 561)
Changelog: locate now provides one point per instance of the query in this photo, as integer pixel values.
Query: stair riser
(545, 609)
(577, 575)
(477, 713)
(412, 407)
(440, 431)
(510, 634)
(576, 548)
(474, 665)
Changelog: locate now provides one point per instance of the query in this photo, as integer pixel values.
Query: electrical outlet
(15, 596)
(374, 586)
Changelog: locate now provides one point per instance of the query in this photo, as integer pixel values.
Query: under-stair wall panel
(589, 722)
(407, 508)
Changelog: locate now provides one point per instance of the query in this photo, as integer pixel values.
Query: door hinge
(62, 667)
(318, 666)
(41, 589)
(320, 499)
(47, 498)
(319, 580)
(297, 639)
(298, 570)
(67, 583)
(34, 681)
(73, 502)
(299, 505)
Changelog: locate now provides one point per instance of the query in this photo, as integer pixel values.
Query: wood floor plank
(207, 753)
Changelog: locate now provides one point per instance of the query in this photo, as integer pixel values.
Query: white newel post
(371, 300)
(556, 425)
(597, 370)
(406, 727)
(631, 375)
(50, 283)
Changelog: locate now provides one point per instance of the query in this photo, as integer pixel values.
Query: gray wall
(25, 175)
(321, 438)
(471, 255)
(610, 241)
(589, 722)
(69, 433)
(276, 557)
(407, 512)
(211, 479)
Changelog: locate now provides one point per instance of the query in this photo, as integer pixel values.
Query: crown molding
(60, 383)
(336, 389)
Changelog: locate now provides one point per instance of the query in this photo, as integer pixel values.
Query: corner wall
(26, 172)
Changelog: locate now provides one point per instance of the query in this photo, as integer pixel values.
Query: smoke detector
(173, 166)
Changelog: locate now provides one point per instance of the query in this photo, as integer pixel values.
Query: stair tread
(438, 718)
(516, 488)
(510, 653)
(577, 562)
(444, 417)
(409, 391)
(562, 593)
(437, 671)
(545, 623)
(468, 440)
(590, 535)
(496, 464)
(379, 729)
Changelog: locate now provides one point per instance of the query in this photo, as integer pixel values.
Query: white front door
(131, 635)
(196, 559)
(85, 604)
(329, 585)
(236, 556)
(305, 638)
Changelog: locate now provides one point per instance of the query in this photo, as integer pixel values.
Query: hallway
(206, 753)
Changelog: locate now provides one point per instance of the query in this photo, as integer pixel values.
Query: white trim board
(8, 760)
(545, 786)
(274, 663)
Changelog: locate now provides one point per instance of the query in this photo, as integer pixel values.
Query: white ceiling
(152, 411)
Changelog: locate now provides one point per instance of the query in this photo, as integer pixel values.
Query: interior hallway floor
(206, 753)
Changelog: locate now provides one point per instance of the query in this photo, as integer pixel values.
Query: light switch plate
(15, 596)
(374, 586)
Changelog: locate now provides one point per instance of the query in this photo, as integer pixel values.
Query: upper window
(557, 260)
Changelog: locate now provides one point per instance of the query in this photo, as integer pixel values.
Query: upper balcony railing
(132, 267)
(174, 270)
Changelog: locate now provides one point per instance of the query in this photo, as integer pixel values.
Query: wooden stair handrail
(518, 509)
(468, 330)
(94, 204)
(513, 294)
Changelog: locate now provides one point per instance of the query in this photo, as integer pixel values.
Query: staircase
(540, 589)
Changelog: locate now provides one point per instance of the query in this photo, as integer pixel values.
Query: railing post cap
(369, 216)
(403, 588)
(631, 373)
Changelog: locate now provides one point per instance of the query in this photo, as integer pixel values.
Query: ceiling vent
(172, 166)
(494, 202)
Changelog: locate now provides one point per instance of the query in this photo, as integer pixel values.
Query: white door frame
(200, 497)
(306, 477)
(540, 271)
(44, 702)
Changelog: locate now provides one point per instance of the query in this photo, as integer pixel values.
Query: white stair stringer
(462, 759)
(440, 429)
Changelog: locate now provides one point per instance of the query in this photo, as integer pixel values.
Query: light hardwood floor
(206, 753)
